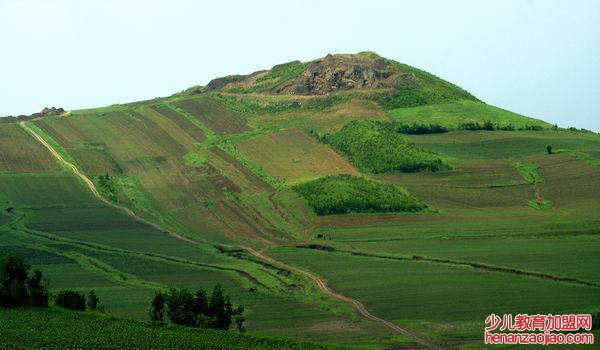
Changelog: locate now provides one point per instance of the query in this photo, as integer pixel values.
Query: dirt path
(357, 305)
(92, 187)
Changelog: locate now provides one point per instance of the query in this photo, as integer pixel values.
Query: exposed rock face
(344, 72)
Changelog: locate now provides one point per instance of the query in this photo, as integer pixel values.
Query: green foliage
(93, 302)
(59, 329)
(529, 173)
(273, 78)
(106, 185)
(18, 288)
(71, 300)
(420, 129)
(377, 148)
(540, 204)
(349, 194)
(248, 106)
(157, 307)
(187, 309)
(490, 126)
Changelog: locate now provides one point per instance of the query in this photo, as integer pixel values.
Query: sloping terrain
(224, 183)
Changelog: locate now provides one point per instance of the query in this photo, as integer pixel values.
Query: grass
(69, 329)
(451, 114)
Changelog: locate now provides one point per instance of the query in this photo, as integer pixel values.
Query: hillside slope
(243, 182)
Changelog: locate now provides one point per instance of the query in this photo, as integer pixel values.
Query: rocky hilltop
(338, 73)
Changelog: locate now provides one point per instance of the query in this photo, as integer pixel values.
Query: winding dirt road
(357, 305)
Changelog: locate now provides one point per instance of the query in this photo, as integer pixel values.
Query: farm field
(64, 329)
(438, 300)
(294, 157)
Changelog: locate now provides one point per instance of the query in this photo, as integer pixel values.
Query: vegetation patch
(529, 173)
(350, 194)
(540, 204)
(376, 147)
(252, 105)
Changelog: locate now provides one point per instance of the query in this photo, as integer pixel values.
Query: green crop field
(312, 201)
(62, 329)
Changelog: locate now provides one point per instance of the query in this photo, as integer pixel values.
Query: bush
(70, 299)
(18, 288)
(376, 147)
(346, 194)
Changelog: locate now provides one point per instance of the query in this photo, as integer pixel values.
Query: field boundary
(477, 265)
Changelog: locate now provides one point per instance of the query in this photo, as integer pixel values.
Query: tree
(181, 305)
(157, 310)
(18, 288)
(549, 149)
(239, 319)
(13, 278)
(220, 308)
(93, 301)
(38, 290)
(70, 299)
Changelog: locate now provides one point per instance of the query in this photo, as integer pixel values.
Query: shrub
(346, 194)
(70, 299)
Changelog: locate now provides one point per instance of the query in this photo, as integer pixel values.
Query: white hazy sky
(539, 57)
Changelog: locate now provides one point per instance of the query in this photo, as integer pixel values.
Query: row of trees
(197, 310)
(490, 126)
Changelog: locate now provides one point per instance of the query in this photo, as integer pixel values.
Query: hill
(344, 200)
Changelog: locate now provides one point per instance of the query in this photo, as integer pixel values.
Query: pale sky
(540, 58)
